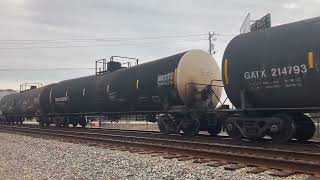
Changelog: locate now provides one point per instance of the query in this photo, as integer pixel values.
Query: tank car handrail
(24, 86)
(212, 85)
(104, 65)
(128, 63)
(222, 103)
(124, 57)
(225, 100)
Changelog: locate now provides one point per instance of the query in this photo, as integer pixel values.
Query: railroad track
(211, 153)
(310, 146)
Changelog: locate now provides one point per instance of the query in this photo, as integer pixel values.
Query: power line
(78, 42)
(96, 45)
(115, 39)
(99, 39)
(43, 69)
(222, 34)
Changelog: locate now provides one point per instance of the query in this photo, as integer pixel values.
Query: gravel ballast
(24, 157)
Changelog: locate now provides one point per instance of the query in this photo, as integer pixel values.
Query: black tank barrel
(277, 67)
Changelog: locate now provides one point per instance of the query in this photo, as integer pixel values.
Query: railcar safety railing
(212, 84)
(29, 86)
(101, 65)
(127, 58)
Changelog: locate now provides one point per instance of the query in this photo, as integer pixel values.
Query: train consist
(270, 76)
(173, 84)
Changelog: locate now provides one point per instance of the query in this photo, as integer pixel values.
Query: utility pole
(211, 38)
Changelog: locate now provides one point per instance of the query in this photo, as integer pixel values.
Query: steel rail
(279, 159)
(224, 139)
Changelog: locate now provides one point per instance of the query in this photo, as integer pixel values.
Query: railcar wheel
(232, 129)
(41, 123)
(214, 130)
(168, 125)
(58, 125)
(305, 128)
(65, 124)
(82, 121)
(286, 129)
(162, 127)
(83, 124)
(74, 124)
(17, 120)
(57, 121)
(191, 126)
(47, 124)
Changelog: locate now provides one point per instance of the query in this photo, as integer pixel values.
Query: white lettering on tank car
(276, 72)
(289, 70)
(205, 71)
(255, 74)
(61, 99)
(166, 79)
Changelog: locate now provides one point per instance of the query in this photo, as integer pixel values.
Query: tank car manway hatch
(29, 86)
(102, 66)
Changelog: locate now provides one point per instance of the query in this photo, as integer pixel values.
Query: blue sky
(28, 27)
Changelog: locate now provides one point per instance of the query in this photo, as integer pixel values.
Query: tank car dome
(197, 67)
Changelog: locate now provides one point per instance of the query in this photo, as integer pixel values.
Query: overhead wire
(97, 45)
(222, 34)
(103, 39)
(97, 39)
(92, 40)
(43, 69)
